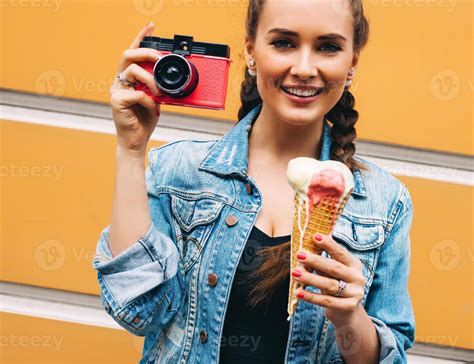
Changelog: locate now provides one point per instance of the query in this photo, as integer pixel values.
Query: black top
(255, 335)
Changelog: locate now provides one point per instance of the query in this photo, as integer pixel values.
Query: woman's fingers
(329, 285)
(331, 267)
(130, 56)
(146, 31)
(135, 73)
(125, 98)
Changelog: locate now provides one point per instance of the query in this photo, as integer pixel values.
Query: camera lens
(175, 75)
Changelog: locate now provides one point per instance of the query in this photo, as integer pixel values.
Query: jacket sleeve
(141, 288)
(388, 302)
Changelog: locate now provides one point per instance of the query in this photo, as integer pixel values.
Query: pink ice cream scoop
(325, 184)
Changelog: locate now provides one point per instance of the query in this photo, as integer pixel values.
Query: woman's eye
(280, 43)
(330, 48)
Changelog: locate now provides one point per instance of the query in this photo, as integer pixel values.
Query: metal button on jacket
(192, 203)
(203, 336)
(248, 187)
(212, 279)
(231, 220)
(136, 320)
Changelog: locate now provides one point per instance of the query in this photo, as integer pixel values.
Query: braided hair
(268, 277)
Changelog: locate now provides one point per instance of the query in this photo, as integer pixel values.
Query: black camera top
(185, 45)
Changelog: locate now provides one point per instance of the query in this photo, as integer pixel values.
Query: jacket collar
(229, 155)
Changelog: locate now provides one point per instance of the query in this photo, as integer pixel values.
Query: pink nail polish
(296, 273)
(318, 237)
(301, 256)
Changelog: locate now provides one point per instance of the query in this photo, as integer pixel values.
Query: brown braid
(275, 267)
(249, 95)
(343, 133)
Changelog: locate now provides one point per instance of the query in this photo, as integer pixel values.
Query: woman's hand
(343, 265)
(134, 112)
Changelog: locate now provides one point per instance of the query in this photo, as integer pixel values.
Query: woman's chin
(298, 117)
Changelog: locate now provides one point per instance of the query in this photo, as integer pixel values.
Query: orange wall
(414, 86)
(54, 219)
(36, 340)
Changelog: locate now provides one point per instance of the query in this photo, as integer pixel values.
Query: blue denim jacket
(164, 285)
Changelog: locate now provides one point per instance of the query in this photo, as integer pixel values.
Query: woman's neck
(274, 138)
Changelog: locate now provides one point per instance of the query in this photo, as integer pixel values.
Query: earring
(349, 82)
(251, 64)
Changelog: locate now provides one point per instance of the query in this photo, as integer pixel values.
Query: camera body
(189, 73)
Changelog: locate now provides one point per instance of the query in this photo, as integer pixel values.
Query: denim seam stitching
(396, 211)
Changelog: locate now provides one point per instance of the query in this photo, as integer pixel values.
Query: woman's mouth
(302, 95)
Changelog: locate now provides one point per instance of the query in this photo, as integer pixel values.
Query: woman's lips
(301, 99)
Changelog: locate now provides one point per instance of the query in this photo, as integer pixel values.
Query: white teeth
(301, 92)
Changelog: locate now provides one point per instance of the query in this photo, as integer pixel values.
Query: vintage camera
(189, 73)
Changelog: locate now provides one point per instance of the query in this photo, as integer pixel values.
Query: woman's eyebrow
(329, 36)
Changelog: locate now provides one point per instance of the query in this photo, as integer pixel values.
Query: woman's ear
(249, 58)
(353, 69)
(248, 50)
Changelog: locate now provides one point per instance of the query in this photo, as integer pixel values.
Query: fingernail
(300, 295)
(296, 273)
(301, 256)
(318, 237)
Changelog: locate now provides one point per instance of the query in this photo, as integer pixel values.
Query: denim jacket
(173, 284)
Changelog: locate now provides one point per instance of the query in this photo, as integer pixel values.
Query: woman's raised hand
(134, 112)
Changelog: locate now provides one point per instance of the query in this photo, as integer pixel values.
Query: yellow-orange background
(414, 88)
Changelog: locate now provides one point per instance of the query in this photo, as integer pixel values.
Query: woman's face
(306, 44)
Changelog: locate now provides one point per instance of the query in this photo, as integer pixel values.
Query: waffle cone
(322, 219)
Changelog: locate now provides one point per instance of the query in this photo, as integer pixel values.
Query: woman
(173, 265)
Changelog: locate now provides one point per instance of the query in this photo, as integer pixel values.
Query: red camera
(189, 73)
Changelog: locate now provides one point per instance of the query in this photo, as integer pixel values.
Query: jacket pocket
(194, 219)
(362, 239)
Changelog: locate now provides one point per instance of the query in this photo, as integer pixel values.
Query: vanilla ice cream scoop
(322, 189)
(301, 170)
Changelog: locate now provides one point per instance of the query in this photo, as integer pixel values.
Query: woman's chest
(276, 213)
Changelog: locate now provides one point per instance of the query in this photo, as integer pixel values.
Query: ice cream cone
(311, 218)
(321, 220)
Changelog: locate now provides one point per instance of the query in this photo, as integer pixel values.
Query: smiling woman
(206, 277)
(302, 72)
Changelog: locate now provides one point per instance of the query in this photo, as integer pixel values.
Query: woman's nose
(304, 66)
